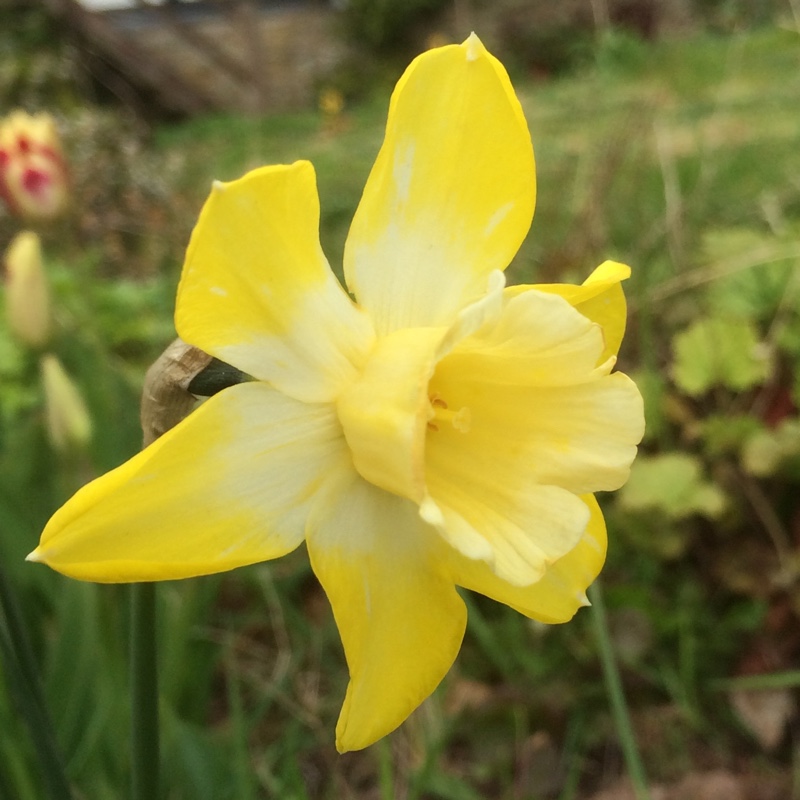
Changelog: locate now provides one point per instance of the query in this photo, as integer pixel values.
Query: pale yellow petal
(230, 485)
(257, 291)
(538, 340)
(398, 612)
(580, 437)
(600, 298)
(585, 436)
(560, 592)
(451, 195)
(516, 529)
(524, 422)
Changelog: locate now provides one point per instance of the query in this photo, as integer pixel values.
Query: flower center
(386, 412)
(440, 414)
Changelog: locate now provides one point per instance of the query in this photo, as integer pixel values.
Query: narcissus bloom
(439, 431)
(33, 173)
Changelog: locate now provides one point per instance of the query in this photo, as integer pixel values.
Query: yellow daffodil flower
(440, 431)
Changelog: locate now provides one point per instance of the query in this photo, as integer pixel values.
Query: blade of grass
(145, 766)
(573, 756)
(775, 680)
(385, 770)
(246, 788)
(77, 694)
(616, 695)
(16, 779)
(22, 670)
(55, 781)
(485, 635)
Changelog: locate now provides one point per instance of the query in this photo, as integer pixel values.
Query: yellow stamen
(440, 414)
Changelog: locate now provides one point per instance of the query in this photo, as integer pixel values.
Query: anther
(440, 413)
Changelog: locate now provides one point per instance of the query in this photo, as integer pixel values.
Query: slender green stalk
(771, 680)
(145, 766)
(385, 771)
(166, 400)
(242, 773)
(23, 673)
(616, 695)
(574, 757)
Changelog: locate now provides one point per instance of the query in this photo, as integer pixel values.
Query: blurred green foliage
(678, 157)
(36, 68)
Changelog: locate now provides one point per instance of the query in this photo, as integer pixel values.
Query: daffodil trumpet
(423, 429)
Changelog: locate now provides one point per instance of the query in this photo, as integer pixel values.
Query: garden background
(667, 136)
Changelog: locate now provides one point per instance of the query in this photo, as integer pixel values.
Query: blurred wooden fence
(216, 55)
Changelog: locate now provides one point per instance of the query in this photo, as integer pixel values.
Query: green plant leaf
(719, 352)
(725, 434)
(672, 483)
(767, 451)
(756, 291)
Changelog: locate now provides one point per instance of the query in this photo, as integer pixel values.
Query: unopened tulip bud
(27, 291)
(68, 421)
(33, 173)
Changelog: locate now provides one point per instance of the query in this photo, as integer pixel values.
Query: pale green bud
(68, 421)
(27, 291)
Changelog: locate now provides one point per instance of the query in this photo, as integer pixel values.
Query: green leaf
(756, 291)
(767, 451)
(719, 352)
(725, 434)
(672, 483)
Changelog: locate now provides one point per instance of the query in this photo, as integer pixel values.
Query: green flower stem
(165, 402)
(145, 765)
(23, 673)
(616, 695)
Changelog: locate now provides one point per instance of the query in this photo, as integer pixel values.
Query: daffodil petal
(517, 529)
(230, 485)
(560, 592)
(530, 381)
(585, 437)
(523, 422)
(399, 615)
(257, 291)
(537, 340)
(600, 298)
(451, 195)
(581, 437)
